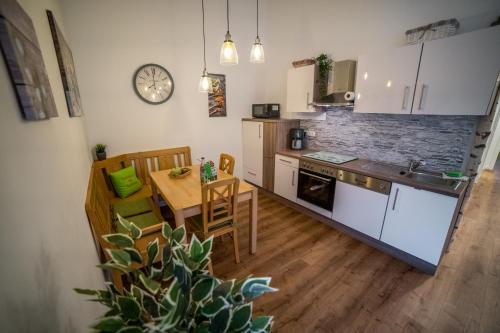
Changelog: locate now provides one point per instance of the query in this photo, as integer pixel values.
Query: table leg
(253, 221)
(156, 198)
(179, 217)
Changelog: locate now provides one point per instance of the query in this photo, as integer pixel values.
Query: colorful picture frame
(217, 96)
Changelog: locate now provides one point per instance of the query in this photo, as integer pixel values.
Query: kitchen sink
(435, 179)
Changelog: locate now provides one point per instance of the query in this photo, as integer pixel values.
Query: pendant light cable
(257, 18)
(227, 14)
(203, 20)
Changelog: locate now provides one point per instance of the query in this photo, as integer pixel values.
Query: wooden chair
(162, 159)
(219, 211)
(226, 163)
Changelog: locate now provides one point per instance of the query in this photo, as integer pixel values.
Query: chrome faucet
(414, 164)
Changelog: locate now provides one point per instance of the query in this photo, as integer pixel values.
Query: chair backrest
(226, 163)
(162, 159)
(97, 207)
(219, 202)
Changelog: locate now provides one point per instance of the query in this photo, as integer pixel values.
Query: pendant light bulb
(257, 53)
(205, 84)
(228, 52)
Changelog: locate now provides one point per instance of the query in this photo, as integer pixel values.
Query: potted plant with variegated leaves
(171, 290)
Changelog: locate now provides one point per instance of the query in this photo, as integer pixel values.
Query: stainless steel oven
(316, 185)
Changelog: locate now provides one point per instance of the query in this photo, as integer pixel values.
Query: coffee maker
(298, 138)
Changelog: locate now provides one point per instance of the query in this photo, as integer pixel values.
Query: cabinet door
(385, 82)
(300, 89)
(360, 209)
(285, 180)
(418, 221)
(253, 151)
(458, 74)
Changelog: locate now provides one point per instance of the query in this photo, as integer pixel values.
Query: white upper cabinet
(458, 74)
(253, 151)
(385, 82)
(449, 76)
(300, 89)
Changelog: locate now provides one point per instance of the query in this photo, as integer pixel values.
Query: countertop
(379, 170)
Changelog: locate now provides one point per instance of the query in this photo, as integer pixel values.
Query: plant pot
(101, 156)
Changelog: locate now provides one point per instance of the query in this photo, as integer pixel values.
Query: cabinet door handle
(395, 199)
(423, 94)
(293, 177)
(405, 97)
(289, 162)
(307, 101)
(259, 131)
(253, 174)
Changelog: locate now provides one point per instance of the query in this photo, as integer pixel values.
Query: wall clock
(153, 84)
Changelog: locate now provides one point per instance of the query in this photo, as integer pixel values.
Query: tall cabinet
(457, 75)
(262, 139)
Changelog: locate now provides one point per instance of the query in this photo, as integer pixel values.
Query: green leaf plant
(171, 290)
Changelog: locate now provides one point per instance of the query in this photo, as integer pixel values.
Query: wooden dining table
(183, 196)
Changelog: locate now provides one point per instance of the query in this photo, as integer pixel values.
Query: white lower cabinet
(417, 221)
(286, 175)
(360, 209)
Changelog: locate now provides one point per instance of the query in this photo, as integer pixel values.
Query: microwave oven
(265, 110)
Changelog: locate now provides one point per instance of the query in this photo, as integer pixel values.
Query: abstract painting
(21, 51)
(217, 96)
(67, 68)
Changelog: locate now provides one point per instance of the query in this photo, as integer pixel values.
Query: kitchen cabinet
(301, 89)
(417, 221)
(253, 151)
(385, 82)
(457, 75)
(262, 138)
(286, 173)
(359, 208)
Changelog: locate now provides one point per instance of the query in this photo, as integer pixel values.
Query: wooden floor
(330, 282)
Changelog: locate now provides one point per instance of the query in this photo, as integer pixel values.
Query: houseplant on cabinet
(169, 288)
(100, 151)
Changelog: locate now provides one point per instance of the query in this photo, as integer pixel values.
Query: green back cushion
(142, 221)
(131, 208)
(125, 182)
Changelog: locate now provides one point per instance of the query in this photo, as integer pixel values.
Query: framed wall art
(22, 55)
(67, 68)
(217, 96)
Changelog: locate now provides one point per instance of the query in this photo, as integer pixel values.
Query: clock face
(153, 84)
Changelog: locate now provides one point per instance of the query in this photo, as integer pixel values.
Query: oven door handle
(314, 176)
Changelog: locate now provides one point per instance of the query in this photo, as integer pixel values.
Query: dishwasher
(360, 202)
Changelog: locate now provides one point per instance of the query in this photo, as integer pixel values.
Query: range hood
(344, 73)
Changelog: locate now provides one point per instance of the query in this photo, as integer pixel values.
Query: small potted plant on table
(100, 151)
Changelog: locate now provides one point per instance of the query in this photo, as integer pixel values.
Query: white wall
(113, 38)
(343, 29)
(45, 241)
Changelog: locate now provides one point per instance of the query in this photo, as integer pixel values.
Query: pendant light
(257, 53)
(205, 84)
(228, 53)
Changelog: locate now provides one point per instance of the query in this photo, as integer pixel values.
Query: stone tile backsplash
(444, 142)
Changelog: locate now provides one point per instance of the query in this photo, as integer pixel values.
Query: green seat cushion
(198, 220)
(125, 182)
(142, 221)
(131, 208)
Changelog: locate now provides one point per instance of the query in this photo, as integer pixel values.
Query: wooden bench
(101, 198)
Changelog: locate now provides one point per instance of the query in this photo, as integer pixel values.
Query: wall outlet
(311, 134)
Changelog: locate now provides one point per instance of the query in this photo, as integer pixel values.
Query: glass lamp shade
(205, 84)
(228, 53)
(257, 53)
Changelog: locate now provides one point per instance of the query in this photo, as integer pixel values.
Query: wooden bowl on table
(184, 173)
